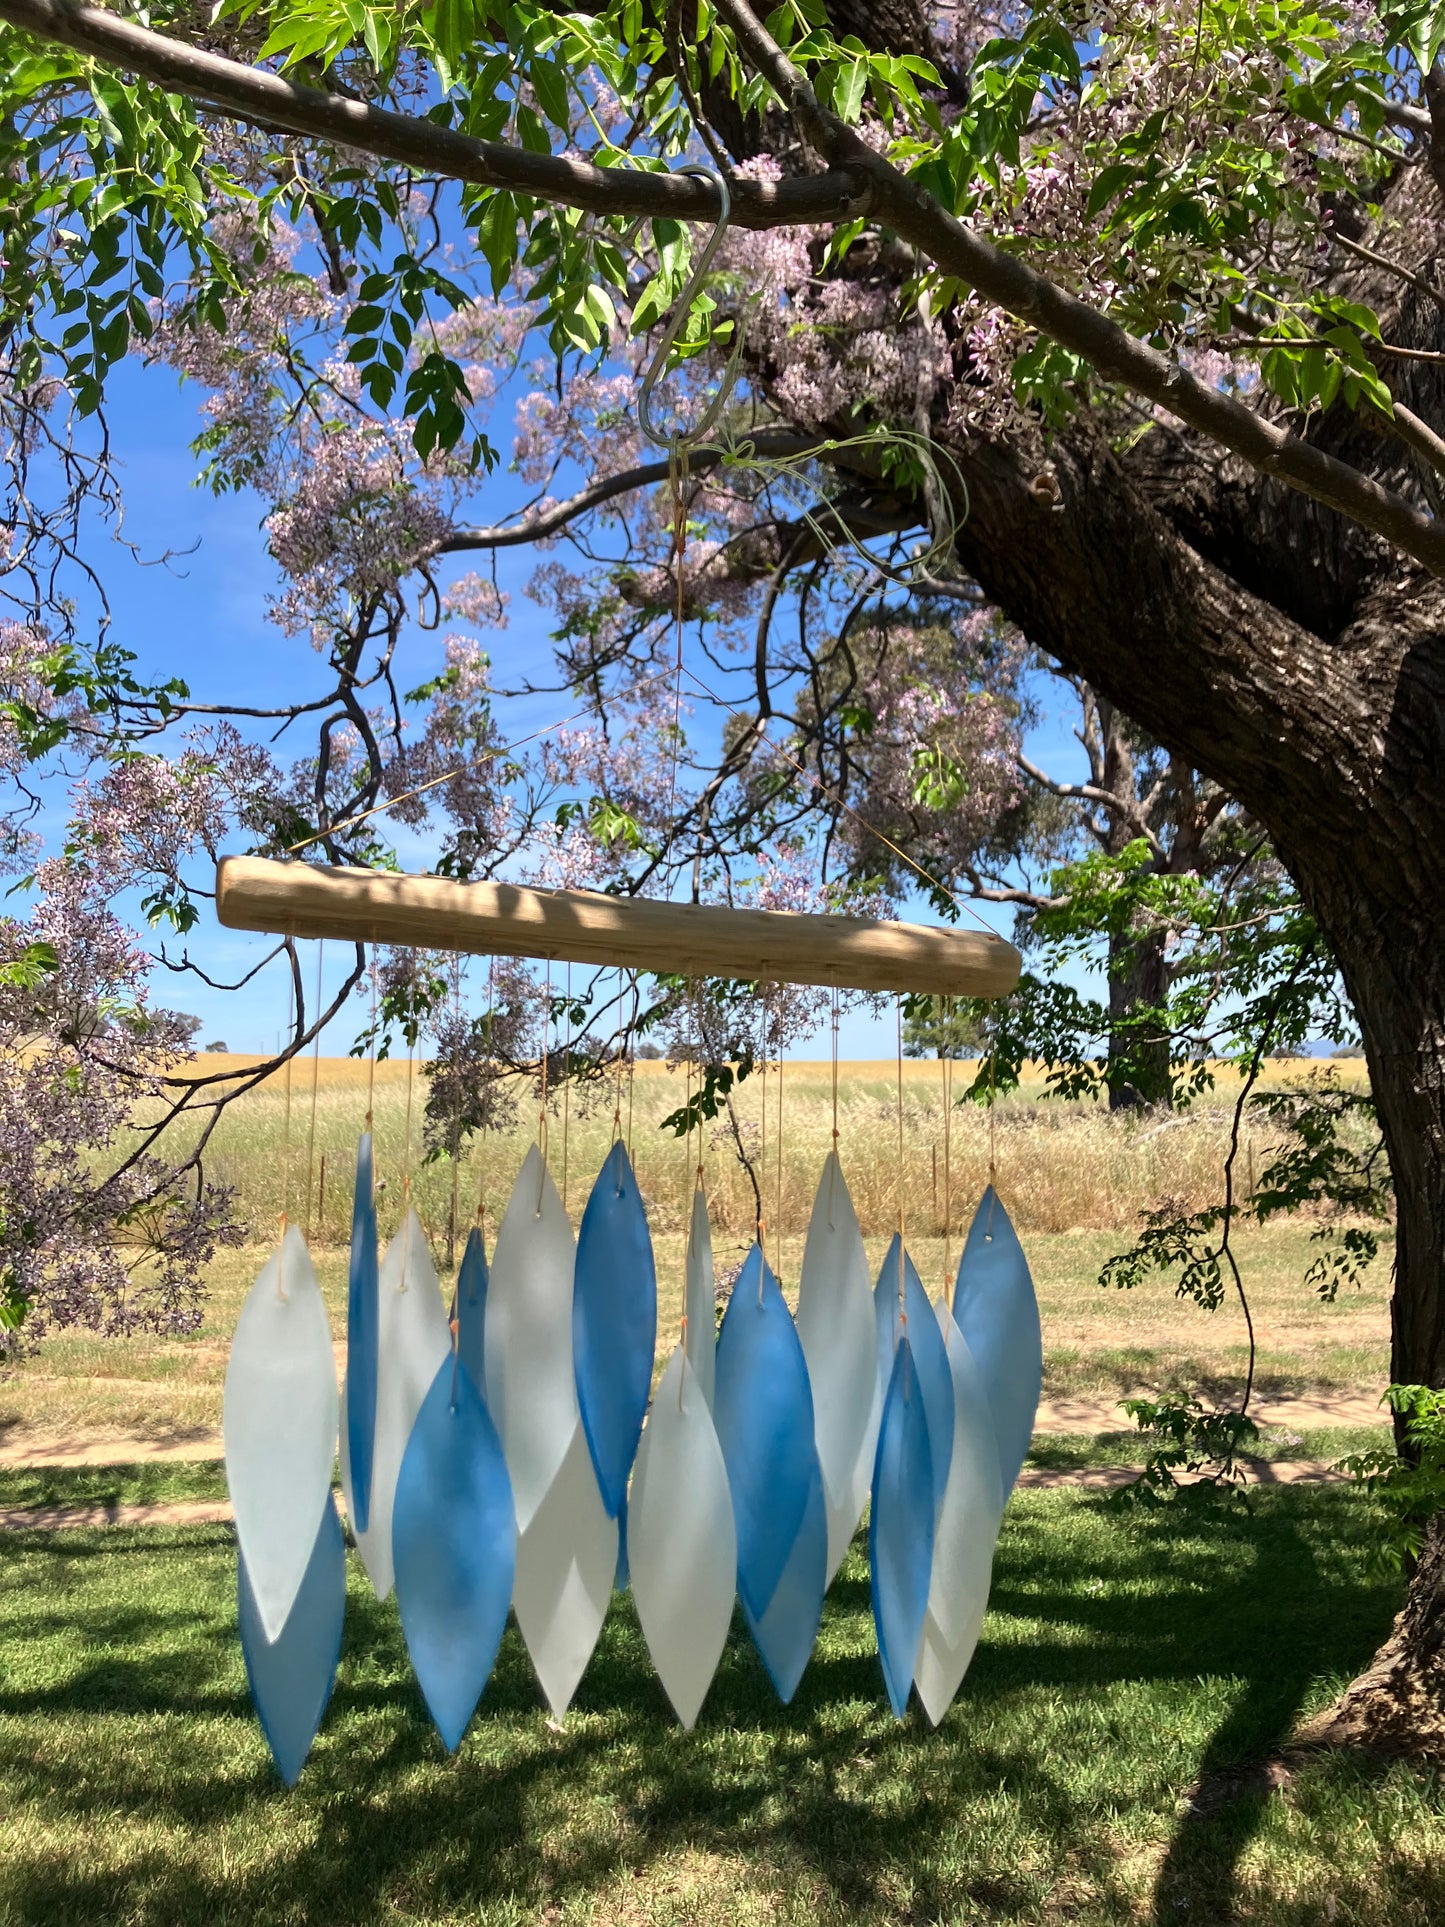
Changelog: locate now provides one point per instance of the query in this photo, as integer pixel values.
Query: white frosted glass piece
(531, 1390)
(700, 1303)
(973, 1499)
(279, 1422)
(566, 1561)
(413, 1337)
(682, 1550)
(838, 1328)
(941, 1666)
(843, 1517)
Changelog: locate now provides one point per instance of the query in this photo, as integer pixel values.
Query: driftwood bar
(635, 933)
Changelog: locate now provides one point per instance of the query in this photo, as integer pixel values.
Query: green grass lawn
(1125, 1657)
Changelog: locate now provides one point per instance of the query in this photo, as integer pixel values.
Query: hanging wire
(567, 1087)
(621, 1043)
(315, 1085)
(992, 1155)
(902, 1294)
(778, 1202)
(542, 1113)
(286, 1137)
(371, 1060)
(482, 1147)
(947, 1158)
(632, 1060)
(457, 1115)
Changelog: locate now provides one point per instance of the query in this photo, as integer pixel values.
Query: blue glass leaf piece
(900, 1526)
(996, 1310)
(362, 1319)
(471, 1309)
(763, 1412)
(930, 1359)
(291, 1677)
(623, 1576)
(454, 1546)
(788, 1630)
(614, 1324)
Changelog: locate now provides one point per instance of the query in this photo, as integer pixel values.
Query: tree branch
(917, 217)
(533, 528)
(262, 98)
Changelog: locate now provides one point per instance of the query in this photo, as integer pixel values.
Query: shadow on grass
(1122, 1658)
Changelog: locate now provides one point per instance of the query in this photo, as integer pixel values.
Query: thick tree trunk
(1137, 1071)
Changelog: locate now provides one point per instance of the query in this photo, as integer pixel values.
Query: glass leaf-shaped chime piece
(454, 1541)
(930, 1361)
(763, 1410)
(996, 1310)
(471, 1310)
(900, 1526)
(280, 1422)
(681, 1544)
(361, 1339)
(566, 1564)
(700, 1299)
(967, 1530)
(413, 1339)
(531, 1391)
(838, 1331)
(787, 1631)
(291, 1676)
(614, 1323)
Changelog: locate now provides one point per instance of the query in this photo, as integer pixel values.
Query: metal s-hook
(675, 441)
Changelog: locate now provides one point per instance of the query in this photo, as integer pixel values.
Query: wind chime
(515, 1455)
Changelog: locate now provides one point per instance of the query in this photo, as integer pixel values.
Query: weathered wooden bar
(636, 933)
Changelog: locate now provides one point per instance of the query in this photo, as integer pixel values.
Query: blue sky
(202, 616)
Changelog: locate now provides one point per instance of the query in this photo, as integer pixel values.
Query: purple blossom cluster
(95, 1230)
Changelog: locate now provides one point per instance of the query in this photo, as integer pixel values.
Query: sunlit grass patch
(1123, 1659)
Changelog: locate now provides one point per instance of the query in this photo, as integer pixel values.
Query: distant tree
(935, 1027)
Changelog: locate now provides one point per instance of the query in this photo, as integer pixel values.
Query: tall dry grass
(1059, 1167)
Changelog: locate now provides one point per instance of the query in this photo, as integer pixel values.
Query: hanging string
(566, 1087)
(947, 1161)
(835, 1069)
(482, 1147)
(687, 1127)
(763, 1146)
(406, 1137)
(457, 1115)
(371, 1061)
(406, 1168)
(699, 1044)
(315, 1084)
(992, 1156)
(542, 1113)
(621, 1049)
(286, 1135)
(833, 1166)
(632, 1059)
(778, 1203)
(902, 1294)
